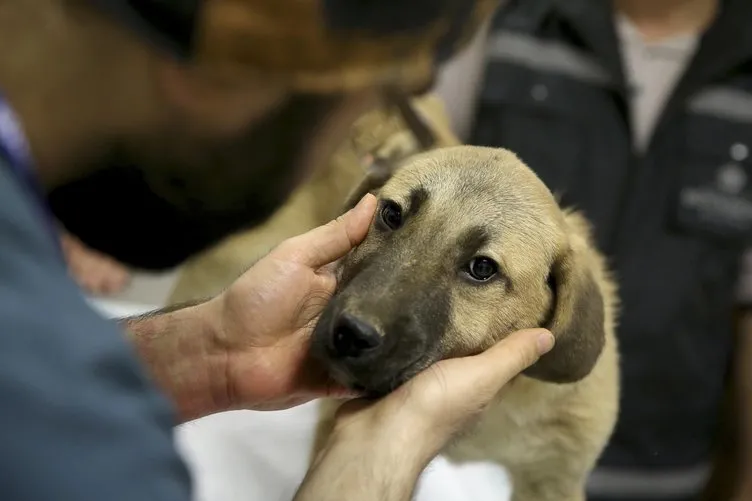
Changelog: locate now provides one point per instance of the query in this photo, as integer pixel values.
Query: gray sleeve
(79, 421)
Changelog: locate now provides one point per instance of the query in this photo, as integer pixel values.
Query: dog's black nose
(353, 338)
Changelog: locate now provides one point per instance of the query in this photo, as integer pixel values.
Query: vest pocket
(713, 194)
(712, 212)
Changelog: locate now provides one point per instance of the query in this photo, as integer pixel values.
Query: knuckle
(289, 247)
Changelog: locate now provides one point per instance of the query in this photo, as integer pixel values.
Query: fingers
(484, 375)
(506, 359)
(339, 392)
(330, 242)
(93, 271)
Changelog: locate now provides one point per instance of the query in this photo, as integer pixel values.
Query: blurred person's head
(160, 126)
(670, 12)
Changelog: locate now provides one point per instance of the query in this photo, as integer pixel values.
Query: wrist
(179, 350)
(402, 427)
(359, 462)
(388, 437)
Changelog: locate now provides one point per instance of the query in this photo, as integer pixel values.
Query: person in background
(150, 130)
(639, 113)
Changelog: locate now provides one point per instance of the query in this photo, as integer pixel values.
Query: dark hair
(169, 24)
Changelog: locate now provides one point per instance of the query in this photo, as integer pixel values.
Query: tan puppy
(467, 246)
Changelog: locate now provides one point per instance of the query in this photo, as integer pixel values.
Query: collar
(14, 149)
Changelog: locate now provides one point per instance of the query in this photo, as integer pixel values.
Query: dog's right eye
(391, 215)
(482, 269)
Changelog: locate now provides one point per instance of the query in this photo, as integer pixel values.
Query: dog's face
(467, 246)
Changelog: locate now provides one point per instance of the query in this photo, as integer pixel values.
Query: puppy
(467, 246)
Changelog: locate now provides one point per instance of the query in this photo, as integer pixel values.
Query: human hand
(95, 272)
(265, 319)
(431, 408)
(377, 450)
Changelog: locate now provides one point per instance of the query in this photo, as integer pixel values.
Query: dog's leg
(546, 482)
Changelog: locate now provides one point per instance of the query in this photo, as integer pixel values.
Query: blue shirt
(79, 418)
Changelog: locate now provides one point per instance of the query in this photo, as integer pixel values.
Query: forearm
(348, 468)
(743, 397)
(175, 345)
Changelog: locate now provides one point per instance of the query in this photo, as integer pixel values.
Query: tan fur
(551, 424)
(380, 132)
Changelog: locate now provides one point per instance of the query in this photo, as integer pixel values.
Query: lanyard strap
(14, 148)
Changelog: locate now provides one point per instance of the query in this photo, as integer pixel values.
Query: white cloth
(244, 455)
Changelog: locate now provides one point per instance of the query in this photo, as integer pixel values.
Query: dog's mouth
(365, 383)
(378, 390)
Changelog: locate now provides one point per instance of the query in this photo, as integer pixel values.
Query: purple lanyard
(15, 150)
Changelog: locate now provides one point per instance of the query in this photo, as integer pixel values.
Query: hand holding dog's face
(467, 246)
(262, 322)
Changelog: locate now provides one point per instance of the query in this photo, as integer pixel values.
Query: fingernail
(545, 342)
(366, 197)
(363, 201)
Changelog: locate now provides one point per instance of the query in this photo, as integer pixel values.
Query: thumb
(327, 243)
(510, 356)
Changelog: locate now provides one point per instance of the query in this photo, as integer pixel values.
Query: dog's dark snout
(353, 338)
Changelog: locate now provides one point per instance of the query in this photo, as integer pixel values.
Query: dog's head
(467, 246)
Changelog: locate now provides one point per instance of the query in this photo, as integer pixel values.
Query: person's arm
(742, 395)
(187, 330)
(365, 465)
(741, 386)
(732, 474)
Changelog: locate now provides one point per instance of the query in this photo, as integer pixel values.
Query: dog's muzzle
(359, 356)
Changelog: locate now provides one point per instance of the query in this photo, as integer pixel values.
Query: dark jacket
(554, 92)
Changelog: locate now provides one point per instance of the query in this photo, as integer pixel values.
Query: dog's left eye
(391, 215)
(482, 268)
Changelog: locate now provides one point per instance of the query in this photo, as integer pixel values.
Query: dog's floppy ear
(377, 175)
(577, 321)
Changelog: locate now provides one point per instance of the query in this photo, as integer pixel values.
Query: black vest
(674, 221)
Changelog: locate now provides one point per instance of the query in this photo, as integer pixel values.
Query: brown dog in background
(381, 133)
(467, 246)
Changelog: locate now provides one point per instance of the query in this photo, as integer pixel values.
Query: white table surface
(248, 456)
